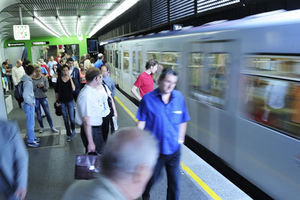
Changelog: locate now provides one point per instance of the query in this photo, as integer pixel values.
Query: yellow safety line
(200, 182)
(184, 167)
(126, 109)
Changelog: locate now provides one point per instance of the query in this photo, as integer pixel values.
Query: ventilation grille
(181, 8)
(205, 5)
(159, 12)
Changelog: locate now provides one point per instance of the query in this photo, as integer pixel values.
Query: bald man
(17, 72)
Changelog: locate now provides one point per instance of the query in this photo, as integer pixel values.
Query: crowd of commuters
(133, 159)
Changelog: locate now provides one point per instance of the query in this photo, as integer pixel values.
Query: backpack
(18, 93)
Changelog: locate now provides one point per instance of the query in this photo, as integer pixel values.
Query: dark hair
(4, 63)
(61, 61)
(92, 73)
(26, 62)
(29, 69)
(70, 59)
(165, 72)
(65, 66)
(151, 63)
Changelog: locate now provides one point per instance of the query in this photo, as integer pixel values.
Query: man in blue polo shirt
(163, 112)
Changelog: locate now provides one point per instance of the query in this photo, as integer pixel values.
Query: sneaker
(41, 130)
(54, 130)
(73, 133)
(69, 138)
(37, 139)
(33, 144)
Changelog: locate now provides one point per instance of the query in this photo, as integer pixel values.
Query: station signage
(20, 44)
(40, 43)
(21, 32)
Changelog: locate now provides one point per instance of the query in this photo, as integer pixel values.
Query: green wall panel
(52, 41)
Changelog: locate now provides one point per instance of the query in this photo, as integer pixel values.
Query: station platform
(51, 166)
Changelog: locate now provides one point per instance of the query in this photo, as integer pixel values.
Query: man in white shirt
(91, 107)
(17, 72)
(51, 62)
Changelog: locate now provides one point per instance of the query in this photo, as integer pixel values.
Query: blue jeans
(44, 103)
(29, 112)
(67, 110)
(171, 162)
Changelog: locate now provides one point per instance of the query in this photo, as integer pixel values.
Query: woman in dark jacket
(64, 96)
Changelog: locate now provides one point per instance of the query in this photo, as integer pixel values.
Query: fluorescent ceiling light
(61, 26)
(112, 15)
(78, 29)
(44, 26)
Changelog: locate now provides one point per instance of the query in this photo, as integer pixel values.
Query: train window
(273, 66)
(134, 62)
(111, 56)
(170, 59)
(153, 55)
(272, 102)
(105, 55)
(271, 92)
(116, 59)
(208, 82)
(126, 61)
(140, 62)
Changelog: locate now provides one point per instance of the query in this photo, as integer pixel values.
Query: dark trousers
(105, 126)
(97, 137)
(171, 162)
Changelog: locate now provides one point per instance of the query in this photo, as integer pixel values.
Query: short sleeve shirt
(162, 119)
(91, 103)
(145, 83)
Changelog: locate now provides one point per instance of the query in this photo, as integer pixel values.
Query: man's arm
(135, 93)
(141, 125)
(88, 132)
(14, 78)
(21, 160)
(182, 132)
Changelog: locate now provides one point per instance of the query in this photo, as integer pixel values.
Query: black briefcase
(87, 166)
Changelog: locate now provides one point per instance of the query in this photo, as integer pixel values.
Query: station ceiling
(47, 11)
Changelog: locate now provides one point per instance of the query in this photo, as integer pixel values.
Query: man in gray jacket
(13, 162)
(29, 105)
(126, 166)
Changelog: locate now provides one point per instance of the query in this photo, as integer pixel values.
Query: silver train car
(241, 80)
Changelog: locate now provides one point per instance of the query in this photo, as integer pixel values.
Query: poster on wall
(21, 32)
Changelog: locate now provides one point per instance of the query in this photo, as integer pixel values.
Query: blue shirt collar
(158, 93)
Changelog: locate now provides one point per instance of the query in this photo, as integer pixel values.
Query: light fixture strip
(44, 26)
(114, 14)
(62, 27)
(78, 27)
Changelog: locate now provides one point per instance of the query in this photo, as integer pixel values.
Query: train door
(209, 69)
(126, 70)
(135, 69)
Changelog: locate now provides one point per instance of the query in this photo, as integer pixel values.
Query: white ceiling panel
(90, 12)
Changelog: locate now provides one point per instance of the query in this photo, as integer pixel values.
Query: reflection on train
(241, 80)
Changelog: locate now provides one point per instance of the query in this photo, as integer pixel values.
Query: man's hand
(91, 147)
(20, 193)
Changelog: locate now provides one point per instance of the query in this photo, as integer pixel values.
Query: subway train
(241, 81)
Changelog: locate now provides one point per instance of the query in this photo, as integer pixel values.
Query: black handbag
(57, 107)
(109, 101)
(87, 166)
